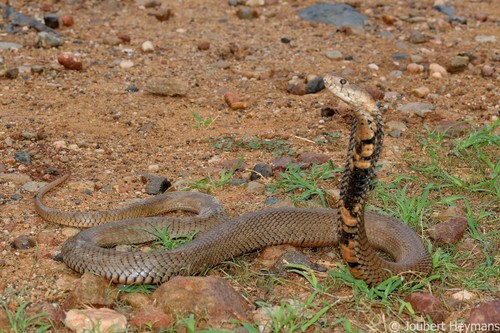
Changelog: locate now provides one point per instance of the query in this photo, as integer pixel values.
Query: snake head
(349, 92)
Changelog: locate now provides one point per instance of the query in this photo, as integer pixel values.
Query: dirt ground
(110, 134)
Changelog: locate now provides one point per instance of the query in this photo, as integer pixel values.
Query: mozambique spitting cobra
(360, 234)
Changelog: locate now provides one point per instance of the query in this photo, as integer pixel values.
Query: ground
(87, 122)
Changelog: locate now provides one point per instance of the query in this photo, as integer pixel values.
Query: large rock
(427, 304)
(90, 290)
(208, 297)
(95, 320)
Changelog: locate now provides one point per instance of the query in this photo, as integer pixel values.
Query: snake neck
(364, 150)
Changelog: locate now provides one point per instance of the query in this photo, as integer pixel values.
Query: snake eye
(343, 82)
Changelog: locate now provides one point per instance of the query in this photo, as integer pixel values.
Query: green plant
(142, 288)
(208, 183)
(202, 122)
(166, 240)
(20, 322)
(303, 184)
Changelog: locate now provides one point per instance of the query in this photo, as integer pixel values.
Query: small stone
(271, 201)
(23, 242)
(421, 92)
(436, 68)
(135, 299)
(261, 170)
(247, 13)
(126, 64)
(132, 88)
(315, 85)
(67, 20)
(334, 55)
(427, 304)
(486, 39)
(389, 19)
(204, 45)
(254, 187)
(416, 58)
(482, 17)
(399, 56)
(48, 40)
(458, 64)
(70, 61)
(418, 108)
(15, 178)
(147, 47)
(235, 102)
(36, 69)
(450, 231)
(155, 184)
(396, 125)
(417, 37)
(23, 157)
(285, 40)
(126, 38)
(51, 20)
(255, 3)
(414, 68)
(297, 88)
(163, 14)
(11, 73)
(166, 87)
(373, 66)
(486, 313)
(87, 320)
(487, 71)
(396, 74)
(282, 163)
(463, 295)
(311, 157)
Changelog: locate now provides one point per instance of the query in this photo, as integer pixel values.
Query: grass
(208, 184)
(20, 322)
(201, 122)
(302, 185)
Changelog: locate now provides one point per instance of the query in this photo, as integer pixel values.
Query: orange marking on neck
(347, 218)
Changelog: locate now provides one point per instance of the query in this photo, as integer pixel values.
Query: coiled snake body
(360, 234)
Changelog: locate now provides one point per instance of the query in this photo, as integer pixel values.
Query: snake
(360, 234)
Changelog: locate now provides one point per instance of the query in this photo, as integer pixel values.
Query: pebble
(16, 197)
(414, 68)
(450, 231)
(23, 157)
(297, 87)
(482, 17)
(10, 46)
(132, 88)
(51, 20)
(373, 66)
(254, 187)
(60, 144)
(421, 92)
(153, 318)
(315, 85)
(247, 13)
(155, 184)
(15, 178)
(418, 108)
(486, 39)
(458, 64)
(147, 47)
(416, 58)
(67, 20)
(23, 242)
(396, 74)
(48, 40)
(336, 14)
(11, 73)
(271, 201)
(334, 55)
(204, 45)
(32, 186)
(126, 38)
(163, 14)
(255, 3)
(37, 69)
(126, 64)
(86, 320)
(237, 181)
(437, 70)
(70, 61)
(396, 125)
(312, 157)
(261, 170)
(487, 71)
(463, 295)
(235, 102)
(417, 37)
(166, 87)
(399, 56)
(389, 19)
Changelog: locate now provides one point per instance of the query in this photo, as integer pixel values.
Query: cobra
(359, 233)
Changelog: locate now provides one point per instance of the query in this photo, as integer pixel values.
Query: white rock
(147, 47)
(126, 64)
(102, 320)
(373, 66)
(153, 167)
(463, 295)
(436, 68)
(59, 144)
(255, 3)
